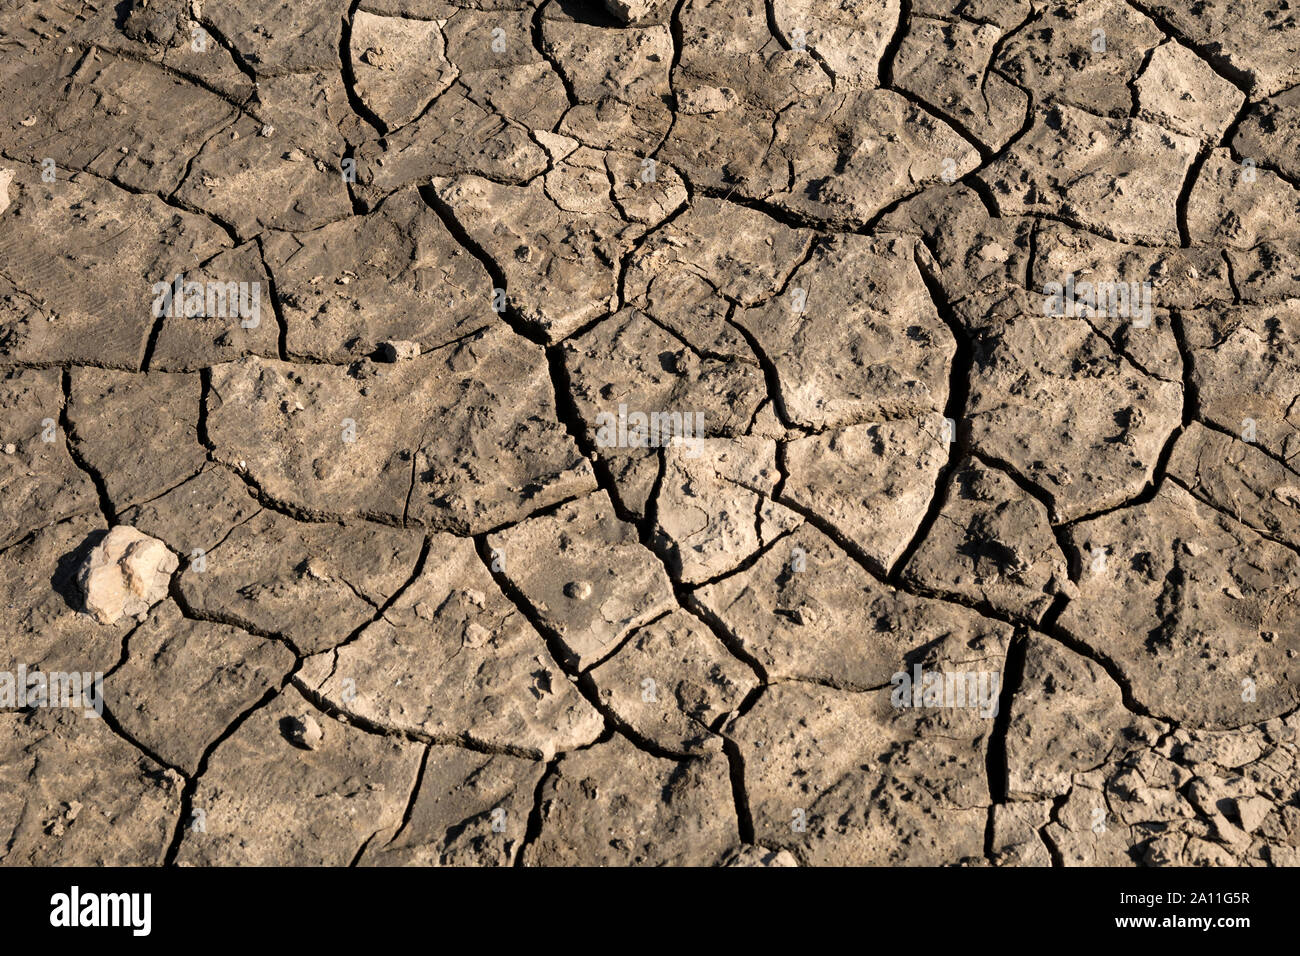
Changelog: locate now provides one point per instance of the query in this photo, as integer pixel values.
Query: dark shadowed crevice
(955, 411)
(358, 105)
(96, 479)
(995, 753)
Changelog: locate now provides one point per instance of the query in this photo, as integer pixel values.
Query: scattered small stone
(761, 856)
(476, 635)
(398, 351)
(578, 590)
(802, 615)
(305, 732)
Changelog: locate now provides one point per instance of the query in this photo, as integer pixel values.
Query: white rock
(627, 11)
(6, 177)
(125, 574)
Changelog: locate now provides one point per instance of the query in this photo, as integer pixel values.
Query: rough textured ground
(425, 613)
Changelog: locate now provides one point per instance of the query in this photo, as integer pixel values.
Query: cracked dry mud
(427, 612)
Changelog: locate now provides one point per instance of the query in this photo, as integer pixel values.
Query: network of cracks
(973, 327)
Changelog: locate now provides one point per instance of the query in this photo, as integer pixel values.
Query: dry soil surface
(580, 425)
